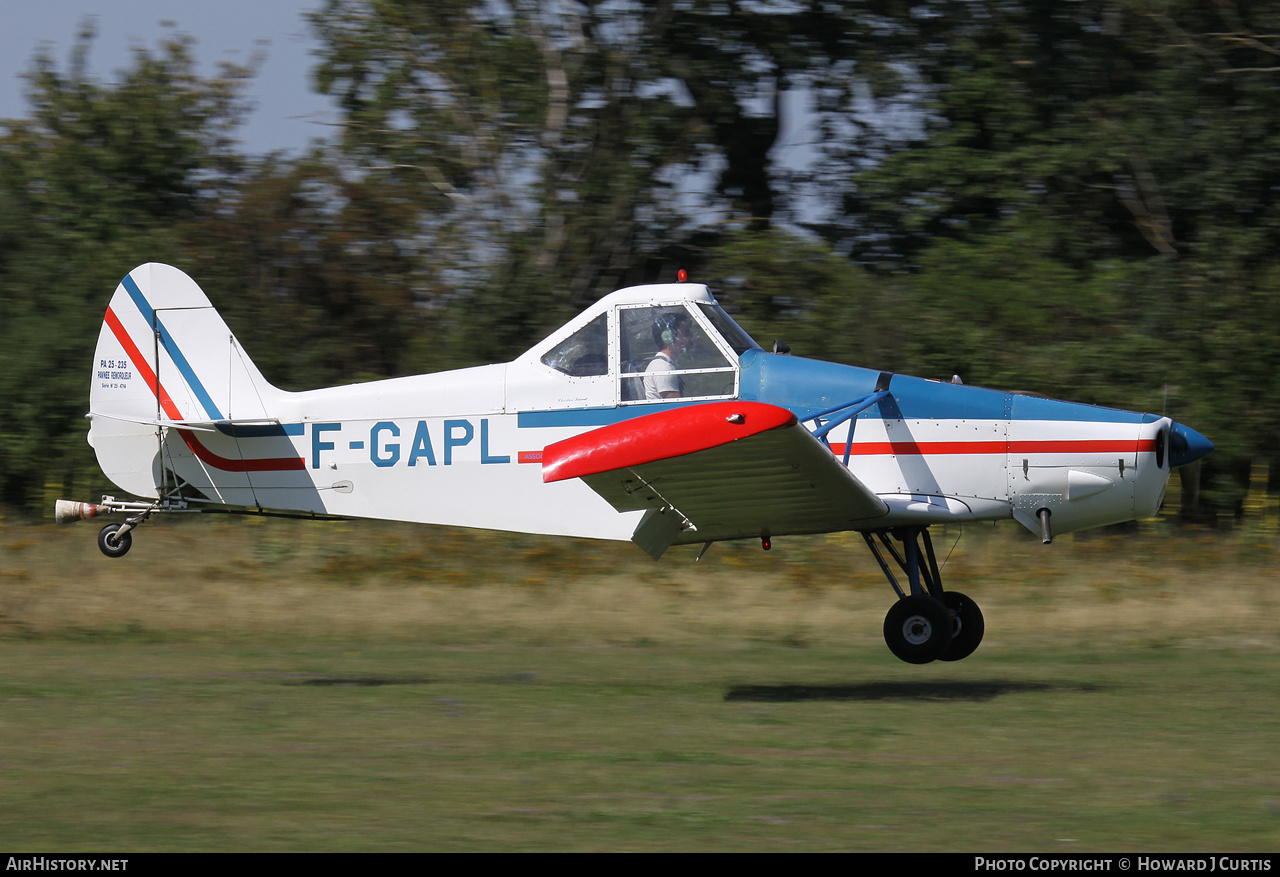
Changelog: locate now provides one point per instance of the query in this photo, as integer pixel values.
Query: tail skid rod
(68, 511)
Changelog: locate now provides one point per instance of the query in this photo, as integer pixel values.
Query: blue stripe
(1037, 408)
(591, 416)
(260, 430)
(171, 346)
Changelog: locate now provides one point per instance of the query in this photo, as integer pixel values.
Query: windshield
(585, 353)
(737, 337)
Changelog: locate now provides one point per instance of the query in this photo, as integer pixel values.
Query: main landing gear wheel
(927, 623)
(113, 545)
(967, 626)
(918, 629)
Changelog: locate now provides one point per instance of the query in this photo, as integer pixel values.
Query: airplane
(651, 416)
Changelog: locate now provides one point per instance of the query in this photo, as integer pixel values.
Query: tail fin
(167, 363)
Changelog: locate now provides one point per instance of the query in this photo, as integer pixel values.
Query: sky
(288, 115)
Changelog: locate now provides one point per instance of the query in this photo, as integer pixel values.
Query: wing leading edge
(715, 471)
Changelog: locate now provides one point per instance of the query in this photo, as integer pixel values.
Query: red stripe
(171, 411)
(140, 363)
(1087, 446)
(268, 464)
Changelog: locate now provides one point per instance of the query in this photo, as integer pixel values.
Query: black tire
(918, 629)
(112, 545)
(967, 626)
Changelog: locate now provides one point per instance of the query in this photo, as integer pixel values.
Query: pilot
(673, 335)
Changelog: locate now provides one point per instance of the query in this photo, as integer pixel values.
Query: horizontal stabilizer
(270, 426)
(199, 426)
(731, 470)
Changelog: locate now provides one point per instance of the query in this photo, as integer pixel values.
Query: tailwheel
(112, 542)
(967, 626)
(918, 629)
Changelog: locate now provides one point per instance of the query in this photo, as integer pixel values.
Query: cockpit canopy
(650, 343)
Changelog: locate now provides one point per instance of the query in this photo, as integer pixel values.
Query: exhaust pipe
(66, 511)
(1046, 533)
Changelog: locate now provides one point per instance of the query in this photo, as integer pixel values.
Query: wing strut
(850, 410)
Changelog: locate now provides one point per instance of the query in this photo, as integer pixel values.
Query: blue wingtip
(1187, 446)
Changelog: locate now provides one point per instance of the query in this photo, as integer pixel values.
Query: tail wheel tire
(967, 626)
(112, 543)
(918, 629)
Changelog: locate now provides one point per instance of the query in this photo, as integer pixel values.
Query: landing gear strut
(926, 624)
(115, 540)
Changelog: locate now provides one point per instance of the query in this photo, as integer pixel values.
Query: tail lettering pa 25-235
(652, 416)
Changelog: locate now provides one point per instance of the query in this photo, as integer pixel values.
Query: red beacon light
(682, 275)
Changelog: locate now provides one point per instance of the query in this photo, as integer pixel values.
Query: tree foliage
(311, 266)
(1086, 194)
(563, 149)
(531, 136)
(95, 180)
(1072, 198)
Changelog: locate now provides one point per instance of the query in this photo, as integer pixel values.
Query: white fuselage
(182, 409)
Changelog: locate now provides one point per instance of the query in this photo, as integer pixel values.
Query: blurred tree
(1133, 125)
(783, 287)
(559, 150)
(1074, 198)
(1085, 188)
(98, 178)
(310, 267)
(528, 135)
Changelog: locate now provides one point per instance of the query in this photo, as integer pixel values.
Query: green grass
(281, 686)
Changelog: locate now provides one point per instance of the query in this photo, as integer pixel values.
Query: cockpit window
(583, 354)
(666, 354)
(737, 337)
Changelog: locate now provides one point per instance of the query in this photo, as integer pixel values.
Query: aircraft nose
(1186, 445)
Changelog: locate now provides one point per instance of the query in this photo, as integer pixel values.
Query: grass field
(278, 685)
